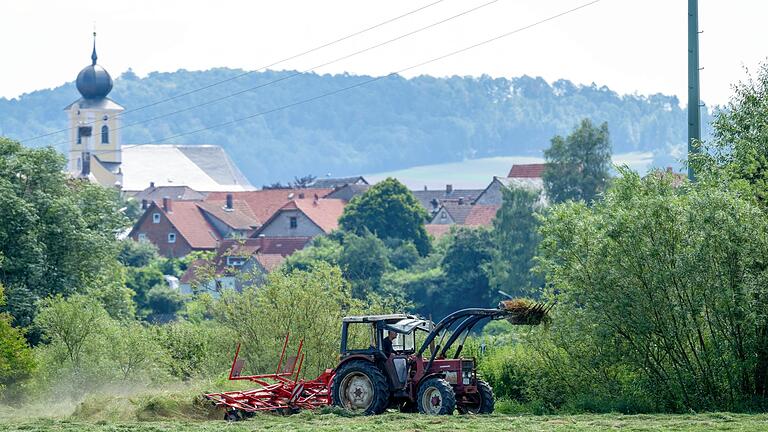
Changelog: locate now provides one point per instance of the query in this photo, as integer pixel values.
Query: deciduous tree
(578, 165)
(57, 234)
(388, 210)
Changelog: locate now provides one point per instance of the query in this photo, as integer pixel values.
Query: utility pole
(694, 97)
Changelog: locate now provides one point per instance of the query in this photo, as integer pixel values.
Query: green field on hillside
(415, 422)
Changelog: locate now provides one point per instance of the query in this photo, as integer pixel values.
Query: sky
(629, 46)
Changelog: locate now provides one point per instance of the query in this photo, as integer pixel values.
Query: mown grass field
(156, 411)
(391, 422)
(413, 422)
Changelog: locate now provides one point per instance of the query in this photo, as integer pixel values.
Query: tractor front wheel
(485, 402)
(360, 386)
(436, 397)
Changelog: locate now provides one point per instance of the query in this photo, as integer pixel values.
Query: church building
(97, 153)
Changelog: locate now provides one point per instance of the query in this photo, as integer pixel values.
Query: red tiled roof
(239, 217)
(324, 212)
(526, 170)
(264, 203)
(481, 215)
(282, 245)
(438, 230)
(270, 261)
(187, 218)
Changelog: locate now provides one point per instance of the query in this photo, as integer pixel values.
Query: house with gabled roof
(451, 213)
(176, 228)
(492, 194)
(304, 217)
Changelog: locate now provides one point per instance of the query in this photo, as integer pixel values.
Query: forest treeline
(427, 120)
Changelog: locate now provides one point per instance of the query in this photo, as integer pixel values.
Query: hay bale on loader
(523, 311)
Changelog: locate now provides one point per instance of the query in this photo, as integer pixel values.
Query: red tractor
(369, 381)
(374, 374)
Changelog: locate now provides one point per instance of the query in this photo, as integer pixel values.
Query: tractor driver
(387, 343)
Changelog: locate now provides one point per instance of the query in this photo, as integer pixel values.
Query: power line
(292, 75)
(369, 81)
(217, 83)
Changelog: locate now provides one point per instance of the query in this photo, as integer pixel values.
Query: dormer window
(235, 261)
(105, 134)
(155, 217)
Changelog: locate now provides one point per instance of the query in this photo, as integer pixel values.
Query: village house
(527, 176)
(304, 217)
(175, 226)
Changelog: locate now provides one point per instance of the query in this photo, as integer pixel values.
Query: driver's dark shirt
(387, 345)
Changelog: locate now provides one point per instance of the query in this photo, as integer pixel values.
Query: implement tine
(282, 355)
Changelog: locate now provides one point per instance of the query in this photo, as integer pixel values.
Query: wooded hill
(389, 124)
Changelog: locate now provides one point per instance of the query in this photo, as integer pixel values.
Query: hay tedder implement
(374, 374)
(281, 392)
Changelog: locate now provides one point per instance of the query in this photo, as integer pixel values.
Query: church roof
(205, 168)
(94, 82)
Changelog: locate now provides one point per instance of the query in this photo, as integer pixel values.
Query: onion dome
(94, 82)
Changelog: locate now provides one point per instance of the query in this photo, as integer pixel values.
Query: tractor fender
(354, 357)
(432, 375)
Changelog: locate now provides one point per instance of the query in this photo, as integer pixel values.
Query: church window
(83, 131)
(105, 134)
(155, 217)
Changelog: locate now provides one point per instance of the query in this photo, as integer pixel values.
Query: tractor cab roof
(407, 325)
(399, 323)
(391, 318)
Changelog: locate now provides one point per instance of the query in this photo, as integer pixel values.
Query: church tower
(94, 149)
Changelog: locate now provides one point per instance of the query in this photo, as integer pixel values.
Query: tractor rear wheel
(436, 397)
(484, 405)
(360, 386)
